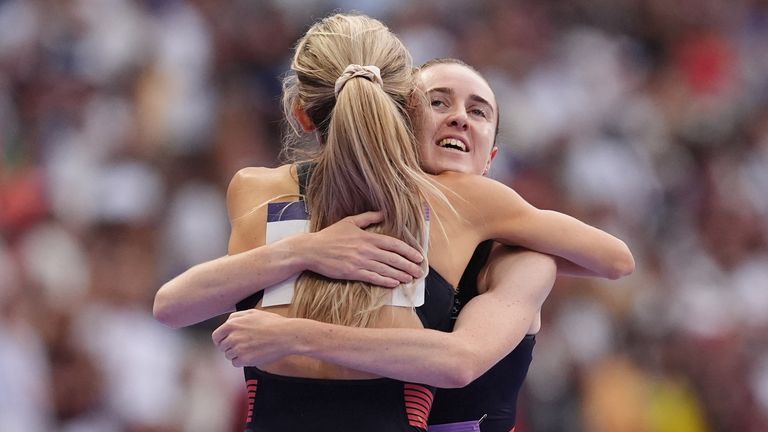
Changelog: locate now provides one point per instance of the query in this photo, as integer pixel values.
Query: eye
(437, 103)
(479, 112)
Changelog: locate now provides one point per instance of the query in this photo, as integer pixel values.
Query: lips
(453, 144)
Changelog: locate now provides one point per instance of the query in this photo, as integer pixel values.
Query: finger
(237, 314)
(220, 334)
(395, 265)
(230, 354)
(388, 271)
(399, 247)
(364, 219)
(224, 346)
(377, 279)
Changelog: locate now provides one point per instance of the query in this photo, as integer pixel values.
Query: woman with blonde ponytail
(350, 85)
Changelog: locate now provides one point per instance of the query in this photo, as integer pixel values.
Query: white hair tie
(370, 72)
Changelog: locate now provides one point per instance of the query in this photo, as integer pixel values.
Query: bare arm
(567, 268)
(511, 220)
(341, 251)
(582, 249)
(489, 327)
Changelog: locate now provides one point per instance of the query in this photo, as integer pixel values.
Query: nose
(458, 119)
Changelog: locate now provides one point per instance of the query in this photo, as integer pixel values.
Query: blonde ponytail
(369, 159)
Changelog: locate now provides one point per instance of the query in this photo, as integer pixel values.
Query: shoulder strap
(468, 283)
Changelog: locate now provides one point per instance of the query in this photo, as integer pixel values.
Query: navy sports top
(292, 404)
(495, 392)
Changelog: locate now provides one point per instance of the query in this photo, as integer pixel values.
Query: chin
(449, 167)
(439, 165)
(430, 168)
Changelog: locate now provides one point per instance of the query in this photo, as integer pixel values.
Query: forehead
(459, 78)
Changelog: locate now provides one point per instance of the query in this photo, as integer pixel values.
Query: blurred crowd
(122, 121)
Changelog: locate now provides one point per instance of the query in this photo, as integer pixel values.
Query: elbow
(163, 310)
(458, 378)
(461, 372)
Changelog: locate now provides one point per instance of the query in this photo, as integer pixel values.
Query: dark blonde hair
(368, 157)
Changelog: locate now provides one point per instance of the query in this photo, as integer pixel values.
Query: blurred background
(122, 121)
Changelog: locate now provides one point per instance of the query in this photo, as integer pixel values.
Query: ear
(302, 117)
(494, 151)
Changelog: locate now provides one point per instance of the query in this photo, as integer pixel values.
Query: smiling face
(459, 128)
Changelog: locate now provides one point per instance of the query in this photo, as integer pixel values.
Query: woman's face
(458, 131)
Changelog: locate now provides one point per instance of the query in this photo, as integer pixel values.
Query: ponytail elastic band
(370, 72)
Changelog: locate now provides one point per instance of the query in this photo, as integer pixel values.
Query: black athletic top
(494, 393)
(279, 403)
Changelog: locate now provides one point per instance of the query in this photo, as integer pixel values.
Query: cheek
(485, 139)
(423, 152)
(427, 126)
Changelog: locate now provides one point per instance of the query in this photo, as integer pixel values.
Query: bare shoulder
(254, 178)
(471, 184)
(253, 186)
(474, 194)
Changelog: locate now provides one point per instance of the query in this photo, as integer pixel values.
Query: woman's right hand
(345, 250)
(253, 338)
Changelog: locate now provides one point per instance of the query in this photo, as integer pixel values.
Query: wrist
(302, 336)
(297, 253)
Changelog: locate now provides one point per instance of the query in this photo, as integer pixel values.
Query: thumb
(364, 219)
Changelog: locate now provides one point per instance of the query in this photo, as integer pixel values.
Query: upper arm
(515, 285)
(248, 193)
(519, 275)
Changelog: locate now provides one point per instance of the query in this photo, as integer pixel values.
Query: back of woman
(302, 393)
(351, 85)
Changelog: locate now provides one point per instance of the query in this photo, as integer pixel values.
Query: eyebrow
(449, 91)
